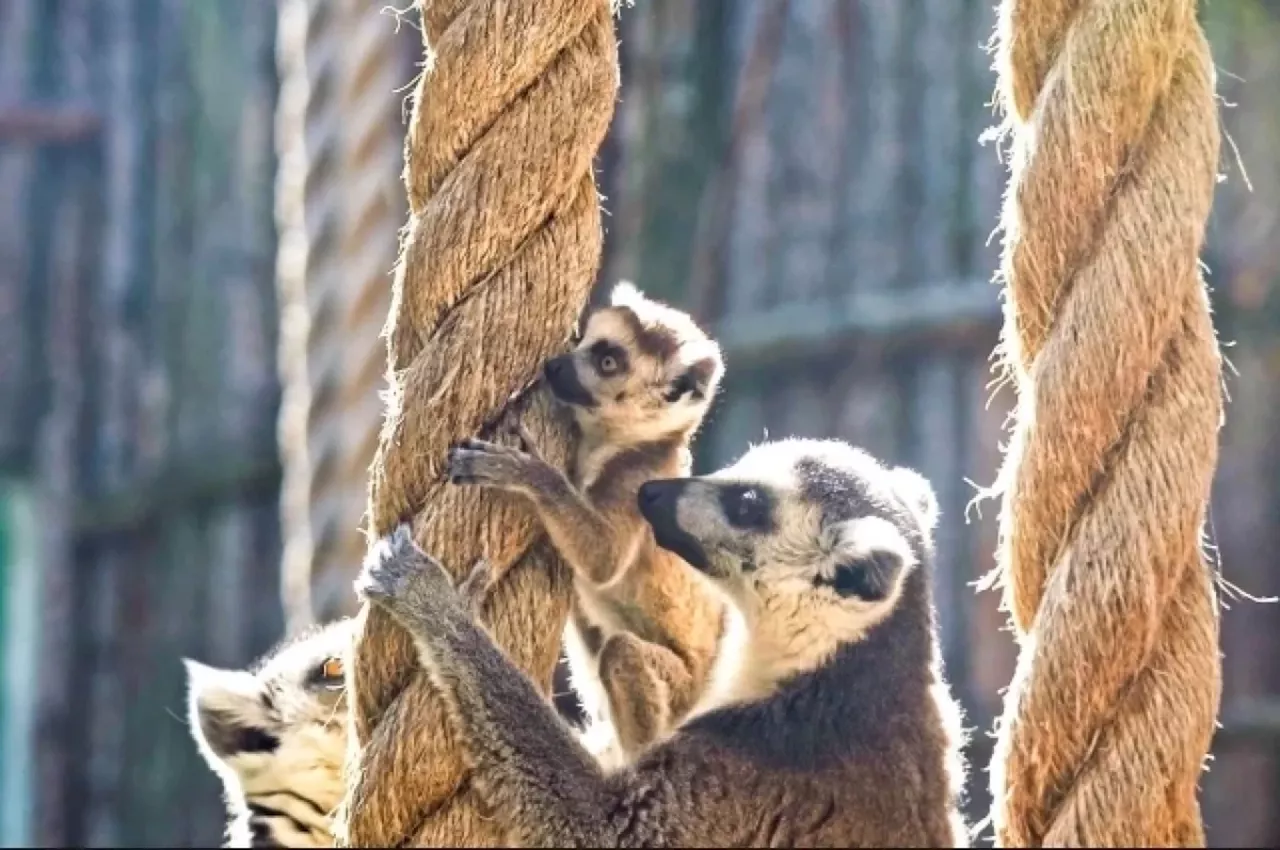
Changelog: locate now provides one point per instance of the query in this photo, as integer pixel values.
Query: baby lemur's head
(811, 539)
(276, 733)
(643, 371)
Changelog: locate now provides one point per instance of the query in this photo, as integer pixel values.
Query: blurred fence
(805, 174)
(137, 252)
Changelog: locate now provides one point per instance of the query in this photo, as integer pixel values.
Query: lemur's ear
(869, 578)
(227, 710)
(918, 493)
(871, 557)
(695, 382)
(626, 294)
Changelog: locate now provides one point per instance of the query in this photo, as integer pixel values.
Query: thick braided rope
(501, 248)
(339, 207)
(1107, 332)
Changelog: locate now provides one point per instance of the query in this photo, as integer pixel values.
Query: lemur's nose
(650, 494)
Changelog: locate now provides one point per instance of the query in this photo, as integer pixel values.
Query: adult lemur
(832, 726)
(276, 735)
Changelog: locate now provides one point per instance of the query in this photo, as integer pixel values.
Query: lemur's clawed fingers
(487, 464)
(397, 572)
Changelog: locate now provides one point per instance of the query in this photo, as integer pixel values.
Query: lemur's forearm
(594, 545)
(535, 773)
(539, 779)
(596, 548)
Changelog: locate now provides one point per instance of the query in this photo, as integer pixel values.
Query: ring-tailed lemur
(643, 631)
(832, 727)
(276, 735)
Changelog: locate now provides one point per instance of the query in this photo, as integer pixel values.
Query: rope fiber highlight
(1108, 336)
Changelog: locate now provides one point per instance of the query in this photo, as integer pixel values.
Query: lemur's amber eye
(608, 364)
(332, 668)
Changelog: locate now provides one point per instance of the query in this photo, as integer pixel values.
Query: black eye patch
(747, 508)
(602, 351)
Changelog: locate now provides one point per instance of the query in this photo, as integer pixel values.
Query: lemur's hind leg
(649, 688)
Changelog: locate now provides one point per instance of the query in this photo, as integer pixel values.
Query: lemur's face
(281, 722)
(802, 529)
(642, 370)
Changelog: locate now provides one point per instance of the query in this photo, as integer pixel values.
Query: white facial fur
(285, 700)
(781, 579)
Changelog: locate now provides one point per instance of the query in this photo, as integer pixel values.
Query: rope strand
(501, 249)
(1108, 335)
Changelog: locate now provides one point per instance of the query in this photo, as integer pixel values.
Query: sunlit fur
(836, 730)
(276, 736)
(787, 623)
(638, 425)
(790, 623)
(631, 407)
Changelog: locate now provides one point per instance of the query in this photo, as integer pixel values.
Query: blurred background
(198, 212)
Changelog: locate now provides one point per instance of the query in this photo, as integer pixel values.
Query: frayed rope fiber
(1107, 333)
(499, 255)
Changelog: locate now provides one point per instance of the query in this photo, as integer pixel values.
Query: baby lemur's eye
(746, 508)
(609, 359)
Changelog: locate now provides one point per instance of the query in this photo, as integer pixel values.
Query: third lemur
(832, 728)
(643, 631)
(276, 735)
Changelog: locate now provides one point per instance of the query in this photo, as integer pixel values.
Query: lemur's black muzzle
(562, 376)
(658, 502)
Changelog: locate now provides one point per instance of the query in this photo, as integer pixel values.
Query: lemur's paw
(395, 569)
(484, 464)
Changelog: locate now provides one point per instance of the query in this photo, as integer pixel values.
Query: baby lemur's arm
(597, 547)
(532, 769)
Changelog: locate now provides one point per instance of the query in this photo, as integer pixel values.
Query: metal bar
(798, 329)
(48, 125)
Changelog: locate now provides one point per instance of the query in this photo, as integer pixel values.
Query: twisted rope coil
(501, 248)
(1108, 335)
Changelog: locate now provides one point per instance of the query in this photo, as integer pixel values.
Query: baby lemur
(832, 728)
(643, 631)
(276, 735)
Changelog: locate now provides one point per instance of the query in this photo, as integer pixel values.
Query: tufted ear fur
(871, 556)
(918, 493)
(625, 294)
(696, 382)
(227, 710)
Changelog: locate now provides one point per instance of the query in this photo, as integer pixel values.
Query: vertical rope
(1107, 332)
(501, 249)
(341, 137)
